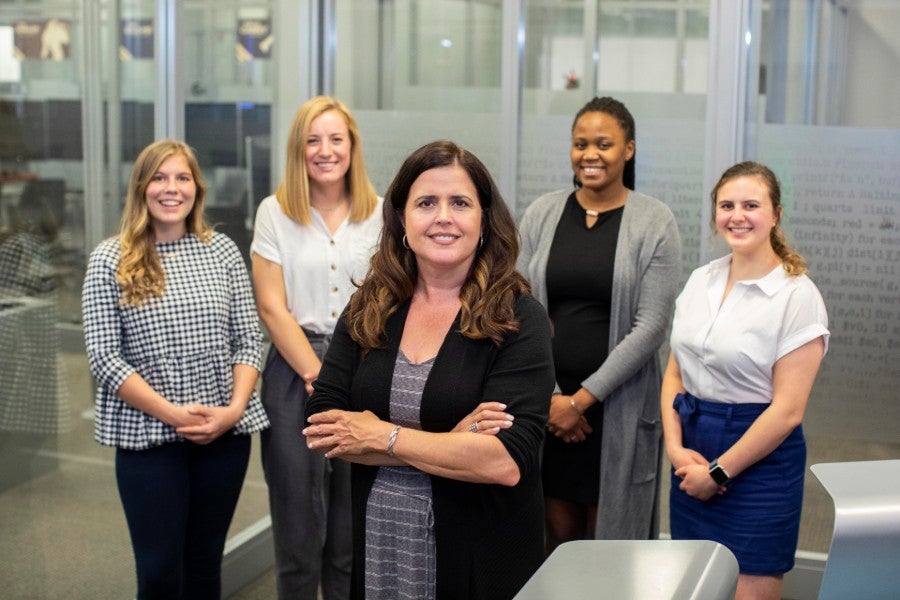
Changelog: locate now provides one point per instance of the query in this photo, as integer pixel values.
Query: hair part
(487, 296)
(140, 273)
(793, 263)
(624, 118)
(293, 191)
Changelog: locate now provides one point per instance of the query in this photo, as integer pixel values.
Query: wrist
(719, 474)
(575, 407)
(392, 439)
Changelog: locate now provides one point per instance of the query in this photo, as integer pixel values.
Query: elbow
(509, 475)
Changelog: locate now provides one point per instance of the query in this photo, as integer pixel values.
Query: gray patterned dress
(400, 545)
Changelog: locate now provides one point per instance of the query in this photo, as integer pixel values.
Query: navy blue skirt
(758, 518)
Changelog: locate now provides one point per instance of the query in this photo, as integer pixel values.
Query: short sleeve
(805, 318)
(265, 237)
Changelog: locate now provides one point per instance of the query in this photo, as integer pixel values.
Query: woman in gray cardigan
(606, 262)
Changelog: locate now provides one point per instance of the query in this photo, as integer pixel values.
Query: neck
(754, 265)
(602, 200)
(439, 289)
(169, 234)
(329, 197)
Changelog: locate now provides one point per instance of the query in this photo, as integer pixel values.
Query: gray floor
(63, 534)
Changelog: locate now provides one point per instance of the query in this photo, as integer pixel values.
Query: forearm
(245, 377)
(769, 430)
(136, 392)
(291, 342)
(461, 456)
(672, 385)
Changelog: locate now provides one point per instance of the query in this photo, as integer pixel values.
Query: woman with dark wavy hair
(436, 387)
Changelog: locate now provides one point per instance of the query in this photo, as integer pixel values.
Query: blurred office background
(806, 86)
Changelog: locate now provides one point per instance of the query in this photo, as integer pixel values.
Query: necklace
(591, 213)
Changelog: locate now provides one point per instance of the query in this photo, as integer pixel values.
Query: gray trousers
(309, 495)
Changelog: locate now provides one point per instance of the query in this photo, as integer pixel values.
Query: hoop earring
(405, 242)
(481, 241)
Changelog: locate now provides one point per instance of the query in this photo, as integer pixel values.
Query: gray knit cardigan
(646, 278)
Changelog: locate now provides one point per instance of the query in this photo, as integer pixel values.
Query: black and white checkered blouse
(184, 344)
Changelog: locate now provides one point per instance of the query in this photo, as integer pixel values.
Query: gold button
(334, 267)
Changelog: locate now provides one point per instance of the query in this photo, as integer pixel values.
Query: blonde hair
(793, 263)
(293, 192)
(140, 273)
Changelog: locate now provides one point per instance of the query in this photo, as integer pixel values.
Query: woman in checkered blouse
(173, 341)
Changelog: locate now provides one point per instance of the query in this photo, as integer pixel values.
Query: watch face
(718, 475)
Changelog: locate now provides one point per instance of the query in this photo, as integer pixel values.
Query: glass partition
(64, 532)
(428, 70)
(828, 123)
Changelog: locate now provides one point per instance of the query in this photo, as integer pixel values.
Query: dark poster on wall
(47, 39)
(136, 39)
(254, 39)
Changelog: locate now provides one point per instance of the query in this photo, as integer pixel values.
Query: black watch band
(719, 474)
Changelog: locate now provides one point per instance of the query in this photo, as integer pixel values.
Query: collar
(769, 284)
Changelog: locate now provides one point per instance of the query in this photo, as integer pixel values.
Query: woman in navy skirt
(749, 333)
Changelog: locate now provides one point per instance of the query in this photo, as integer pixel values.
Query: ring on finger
(473, 427)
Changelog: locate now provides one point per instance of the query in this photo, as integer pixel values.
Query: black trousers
(179, 499)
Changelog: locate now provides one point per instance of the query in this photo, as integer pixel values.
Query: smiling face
(328, 147)
(170, 198)
(442, 219)
(745, 215)
(599, 150)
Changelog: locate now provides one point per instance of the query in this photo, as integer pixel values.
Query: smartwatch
(719, 474)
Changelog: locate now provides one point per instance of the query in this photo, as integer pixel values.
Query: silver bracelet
(574, 406)
(392, 439)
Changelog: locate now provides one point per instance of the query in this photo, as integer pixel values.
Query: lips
(444, 238)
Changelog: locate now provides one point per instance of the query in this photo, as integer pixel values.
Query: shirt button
(334, 288)
(334, 267)
(331, 242)
(334, 314)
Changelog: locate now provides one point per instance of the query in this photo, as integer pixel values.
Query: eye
(157, 177)
(186, 178)
(425, 202)
(724, 205)
(579, 145)
(461, 202)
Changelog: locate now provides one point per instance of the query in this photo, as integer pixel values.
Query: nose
(443, 212)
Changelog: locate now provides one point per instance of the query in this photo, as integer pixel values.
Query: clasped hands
(337, 433)
(694, 473)
(565, 422)
(204, 424)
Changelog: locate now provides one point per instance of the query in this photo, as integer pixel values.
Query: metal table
(639, 569)
(864, 559)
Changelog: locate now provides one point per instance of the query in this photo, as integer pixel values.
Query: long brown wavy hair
(293, 192)
(793, 263)
(492, 285)
(140, 273)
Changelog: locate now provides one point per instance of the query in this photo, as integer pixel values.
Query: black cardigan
(489, 537)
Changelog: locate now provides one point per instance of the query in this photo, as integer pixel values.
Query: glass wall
(64, 533)
(502, 77)
(414, 71)
(826, 118)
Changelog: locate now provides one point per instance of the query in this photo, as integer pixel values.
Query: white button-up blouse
(726, 349)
